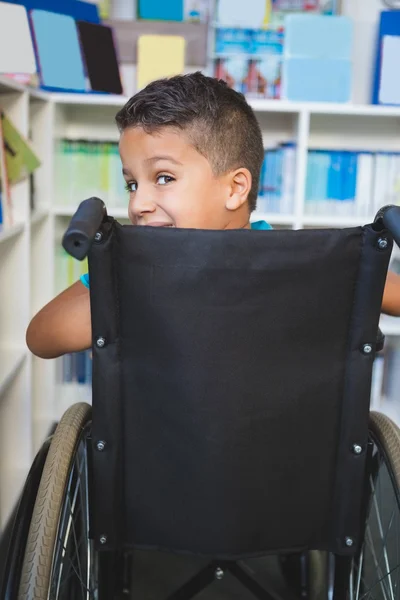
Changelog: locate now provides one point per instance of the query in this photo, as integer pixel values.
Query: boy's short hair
(218, 121)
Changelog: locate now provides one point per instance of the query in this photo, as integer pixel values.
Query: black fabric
(232, 362)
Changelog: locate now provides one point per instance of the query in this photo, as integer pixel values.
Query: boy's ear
(240, 182)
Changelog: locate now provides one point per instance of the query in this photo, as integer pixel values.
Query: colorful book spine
(351, 183)
(277, 180)
(76, 367)
(89, 168)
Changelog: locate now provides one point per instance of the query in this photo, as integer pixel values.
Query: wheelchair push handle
(83, 227)
(389, 218)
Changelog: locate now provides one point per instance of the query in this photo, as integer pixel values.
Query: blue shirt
(257, 226)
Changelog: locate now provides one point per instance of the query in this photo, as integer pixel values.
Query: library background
(328, 103)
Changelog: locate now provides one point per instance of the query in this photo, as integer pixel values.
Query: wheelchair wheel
(59, 563)
(375, 571)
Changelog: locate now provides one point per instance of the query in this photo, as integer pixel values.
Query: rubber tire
(40, 547)
(388, 435)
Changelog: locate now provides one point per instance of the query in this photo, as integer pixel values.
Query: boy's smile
(171, 184)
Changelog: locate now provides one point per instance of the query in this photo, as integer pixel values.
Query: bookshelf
(31, 394)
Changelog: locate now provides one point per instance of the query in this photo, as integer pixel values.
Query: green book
(21, 160)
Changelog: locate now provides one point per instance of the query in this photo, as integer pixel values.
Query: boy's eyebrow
(154, 159)
(163, 157)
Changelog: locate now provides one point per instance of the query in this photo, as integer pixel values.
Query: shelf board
(10, 362)
(389, 325)
(273, 218)
(333, 221)
(38, 215)
(323, 108)
(258, 104)
(10, 232)
(88, 99)
(8, 85)
(68, 210)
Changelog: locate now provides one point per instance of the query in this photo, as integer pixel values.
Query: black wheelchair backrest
(231, 385)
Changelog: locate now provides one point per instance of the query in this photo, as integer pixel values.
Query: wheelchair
(229, 420)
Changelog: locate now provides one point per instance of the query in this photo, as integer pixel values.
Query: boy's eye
(164, 179)
(131, 186)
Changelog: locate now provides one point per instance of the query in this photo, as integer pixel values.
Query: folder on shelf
(78, 9)
(100, 57)
(16, 48)
(159, 56)
(160, 10)
(58, 51)
(249, 13)
(21, 161)
(317, 65)
(6, 217)
(385, 88)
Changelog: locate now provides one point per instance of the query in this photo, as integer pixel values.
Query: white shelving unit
(30, 396)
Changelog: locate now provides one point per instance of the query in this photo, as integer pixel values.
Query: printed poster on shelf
(280, 9)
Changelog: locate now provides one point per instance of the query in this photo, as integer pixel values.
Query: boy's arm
(391, 295)
(63, 325)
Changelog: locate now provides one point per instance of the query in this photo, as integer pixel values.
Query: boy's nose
(141, 204)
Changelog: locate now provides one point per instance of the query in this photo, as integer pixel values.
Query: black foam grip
(391, 220)
(83, 227)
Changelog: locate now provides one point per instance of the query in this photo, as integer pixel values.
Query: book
(98, 49)
(16, 47)
(159, 56)
(6, 216)
(250, 61)
(277, 179)
(351, 183)
(58, 51)
(21, 160)
(85, 168)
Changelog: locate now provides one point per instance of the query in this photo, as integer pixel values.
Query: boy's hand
(63, 325)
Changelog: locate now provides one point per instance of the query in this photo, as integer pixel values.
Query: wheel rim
(74, 568)
(375, 572)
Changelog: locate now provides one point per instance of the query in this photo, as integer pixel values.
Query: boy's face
(171, 184)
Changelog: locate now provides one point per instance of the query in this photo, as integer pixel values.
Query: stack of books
(89, 168)
(346, 183)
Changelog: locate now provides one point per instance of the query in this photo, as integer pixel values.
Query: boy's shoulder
(260, 225)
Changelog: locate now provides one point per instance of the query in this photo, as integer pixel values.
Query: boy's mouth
(158, 224)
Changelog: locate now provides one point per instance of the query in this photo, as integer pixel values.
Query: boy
(191, 150)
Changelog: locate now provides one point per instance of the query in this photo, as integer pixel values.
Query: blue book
(88, 367)
(78, 10)
(67, 368)
(267, 179)
(334, 177)
(272, 182)
(279, 175)
(389, 26)
(160, 10)
(351, 176)
(58, 52)
(230, 40)
(317, 64)
(80, 367)
(323, 164)
(262, 174)
(309, 177)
